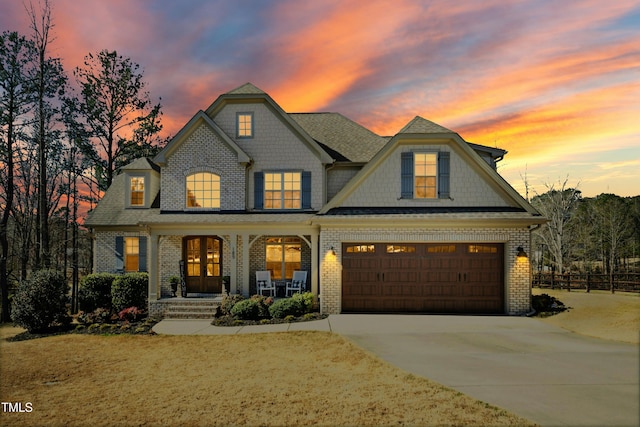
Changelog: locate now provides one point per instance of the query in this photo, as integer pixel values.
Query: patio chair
(298, 283)
(264, 283)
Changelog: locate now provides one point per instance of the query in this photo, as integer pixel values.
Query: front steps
(189, 308)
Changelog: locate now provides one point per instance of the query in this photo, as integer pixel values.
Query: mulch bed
(229, 320)
(141, 327)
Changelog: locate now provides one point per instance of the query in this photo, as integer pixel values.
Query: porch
(215, 254)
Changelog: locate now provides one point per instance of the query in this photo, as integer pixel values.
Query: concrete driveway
(541, 372)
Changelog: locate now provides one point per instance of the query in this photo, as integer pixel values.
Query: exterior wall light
(333, 251)
(521, 252)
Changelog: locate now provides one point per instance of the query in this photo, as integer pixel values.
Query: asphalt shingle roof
(353, 141)
(421, 125)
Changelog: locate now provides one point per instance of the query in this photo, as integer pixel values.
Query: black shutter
(406, 167)
(142, 254)
(306, 190)
(258, 190)
(444, 190)
(119, 254)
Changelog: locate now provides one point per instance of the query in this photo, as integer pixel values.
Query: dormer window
(244, 125)
(136, 191)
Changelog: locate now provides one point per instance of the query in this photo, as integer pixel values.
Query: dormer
(142, 183)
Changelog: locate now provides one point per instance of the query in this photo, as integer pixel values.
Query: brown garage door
(423, 277)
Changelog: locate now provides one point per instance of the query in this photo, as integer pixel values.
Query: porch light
(521, 252)
(333, 251)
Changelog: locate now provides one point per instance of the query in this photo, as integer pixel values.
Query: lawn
(599, 314)
(293, 378)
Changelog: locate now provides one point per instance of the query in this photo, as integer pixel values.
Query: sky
(554, 83)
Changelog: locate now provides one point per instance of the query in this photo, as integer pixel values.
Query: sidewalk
(204, 327)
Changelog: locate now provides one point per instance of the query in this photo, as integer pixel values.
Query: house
(417, 222)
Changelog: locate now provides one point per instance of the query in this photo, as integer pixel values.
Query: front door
(203, 264)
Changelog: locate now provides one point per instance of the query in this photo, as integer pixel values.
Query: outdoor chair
(298, 283)
(264, 283)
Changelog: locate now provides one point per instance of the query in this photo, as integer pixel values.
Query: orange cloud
(331, 53)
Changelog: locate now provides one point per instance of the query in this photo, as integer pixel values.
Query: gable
(271, 121)
(473, 183)
(203, 150)
(196, 121)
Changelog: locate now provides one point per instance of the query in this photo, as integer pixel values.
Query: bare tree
(614, 216)
(557, 205)
(49, 82)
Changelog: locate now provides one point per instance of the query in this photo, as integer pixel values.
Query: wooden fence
(625, 282)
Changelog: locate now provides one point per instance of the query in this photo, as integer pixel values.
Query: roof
(340, 134)
(246, 89)
(420, 125)
(395, 210)
(111, 210)
(141, 164)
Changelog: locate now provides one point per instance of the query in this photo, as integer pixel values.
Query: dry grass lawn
(598, 314)
(293, 378)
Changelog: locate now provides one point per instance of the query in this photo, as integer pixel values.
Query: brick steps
(196, 308)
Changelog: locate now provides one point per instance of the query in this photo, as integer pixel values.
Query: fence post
(588, 282)
(553, 273)
(569, 282)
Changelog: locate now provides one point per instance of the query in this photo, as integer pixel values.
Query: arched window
(203, 190)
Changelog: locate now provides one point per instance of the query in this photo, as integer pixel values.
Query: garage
(423, 278)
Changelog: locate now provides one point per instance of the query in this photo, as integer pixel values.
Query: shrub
(228, 301)
(131, 314)
(545, 303)
(254, 308)
(297, 305)
(129, 290)
(95, 292)
(305, 300)
(41, 302)
(99, 315)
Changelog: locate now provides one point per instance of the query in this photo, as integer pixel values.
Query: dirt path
(598, 314)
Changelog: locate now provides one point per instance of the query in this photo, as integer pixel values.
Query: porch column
(245, 264)
(233, 274)
(314, 264)
(154, 279)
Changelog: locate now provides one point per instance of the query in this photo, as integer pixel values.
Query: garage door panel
(404, 290)
(429, 278)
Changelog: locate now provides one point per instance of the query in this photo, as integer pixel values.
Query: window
(137, 191)
(424, 175)
(483, 249)
(131, 253)
(361, 249)
(203, 190)
(282, 190)
(435, 249)
(395, 249)
(245, 125)
(283, 256)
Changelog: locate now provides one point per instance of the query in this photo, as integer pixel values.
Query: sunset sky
(555, 83)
